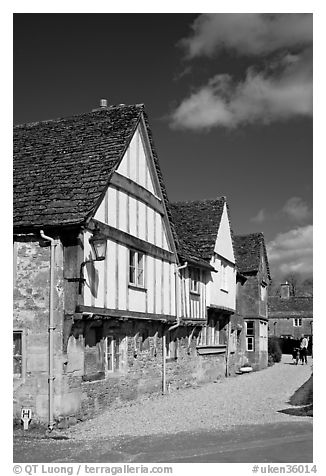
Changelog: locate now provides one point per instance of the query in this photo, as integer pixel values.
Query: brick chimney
(285, 290)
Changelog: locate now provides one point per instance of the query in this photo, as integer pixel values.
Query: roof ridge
(82, 114)
(256, 233)
(202, 200)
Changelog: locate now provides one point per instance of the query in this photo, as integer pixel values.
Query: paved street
(280, 442)
(251, 420)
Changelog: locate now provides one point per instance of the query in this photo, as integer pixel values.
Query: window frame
(135, 258)
(22, 374)
(297, 322)
(250, 336)
(112, 349)
(250, 339)
(194, 274)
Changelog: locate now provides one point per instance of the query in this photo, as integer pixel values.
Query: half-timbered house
(204, 231)
(111, 300)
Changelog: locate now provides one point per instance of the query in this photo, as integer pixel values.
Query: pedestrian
(296, 355)
(303, 349)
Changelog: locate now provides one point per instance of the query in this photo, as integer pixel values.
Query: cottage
(252, 295)
(204, 230)
(111, 300)
(290, 317)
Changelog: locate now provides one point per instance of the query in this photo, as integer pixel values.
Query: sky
(229, 98)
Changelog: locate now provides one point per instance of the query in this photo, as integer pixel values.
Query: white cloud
(292, 252)
(248, 33)
(280, 90)
(260, 217)
(297, 210)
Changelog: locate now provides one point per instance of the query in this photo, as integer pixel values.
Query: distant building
(290, 316)
(252, 295)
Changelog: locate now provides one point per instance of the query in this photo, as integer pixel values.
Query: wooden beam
(118, 313)
(137, 191)
(130, 241)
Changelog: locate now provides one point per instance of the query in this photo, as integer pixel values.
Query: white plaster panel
(111, 287)
(158, 229)
(150, 283)
(158, 287)
(137, 300)
(141, 220)
(112, 206)
(123, 276)
(150, 218)
(122, 197)
(133, 216)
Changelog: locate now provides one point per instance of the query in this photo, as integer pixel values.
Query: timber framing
(129, 186)
(120, 314)
(133, 242)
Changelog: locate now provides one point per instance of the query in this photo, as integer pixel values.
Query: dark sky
(65, 63)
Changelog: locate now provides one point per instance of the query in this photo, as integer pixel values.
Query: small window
(250, 328)
(297, 322)
(18, 354)
(250, 332)
(136, 268)
(250, 343)
(194, 280)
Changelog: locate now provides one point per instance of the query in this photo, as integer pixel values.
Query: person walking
(303, 349)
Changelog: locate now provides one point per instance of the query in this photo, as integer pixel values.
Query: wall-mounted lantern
(98, 243)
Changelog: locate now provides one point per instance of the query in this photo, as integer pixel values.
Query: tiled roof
(247, 252)
(62, 167)
(294, 306)
(196, 224)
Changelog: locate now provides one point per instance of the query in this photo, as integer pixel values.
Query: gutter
(51, 328)
(176, 272)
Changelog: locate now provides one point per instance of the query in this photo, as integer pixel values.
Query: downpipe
(51, 328)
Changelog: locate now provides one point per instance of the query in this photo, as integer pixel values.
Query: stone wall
(237, 355)
(250, 307)
(31, 317)
(140, 362)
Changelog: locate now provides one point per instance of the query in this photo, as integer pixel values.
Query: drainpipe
(176, 271)
(51, 328)
(227, 366)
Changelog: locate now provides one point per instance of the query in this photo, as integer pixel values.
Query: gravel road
(254, 398)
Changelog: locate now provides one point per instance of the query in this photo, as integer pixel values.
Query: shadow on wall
(93, 276)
